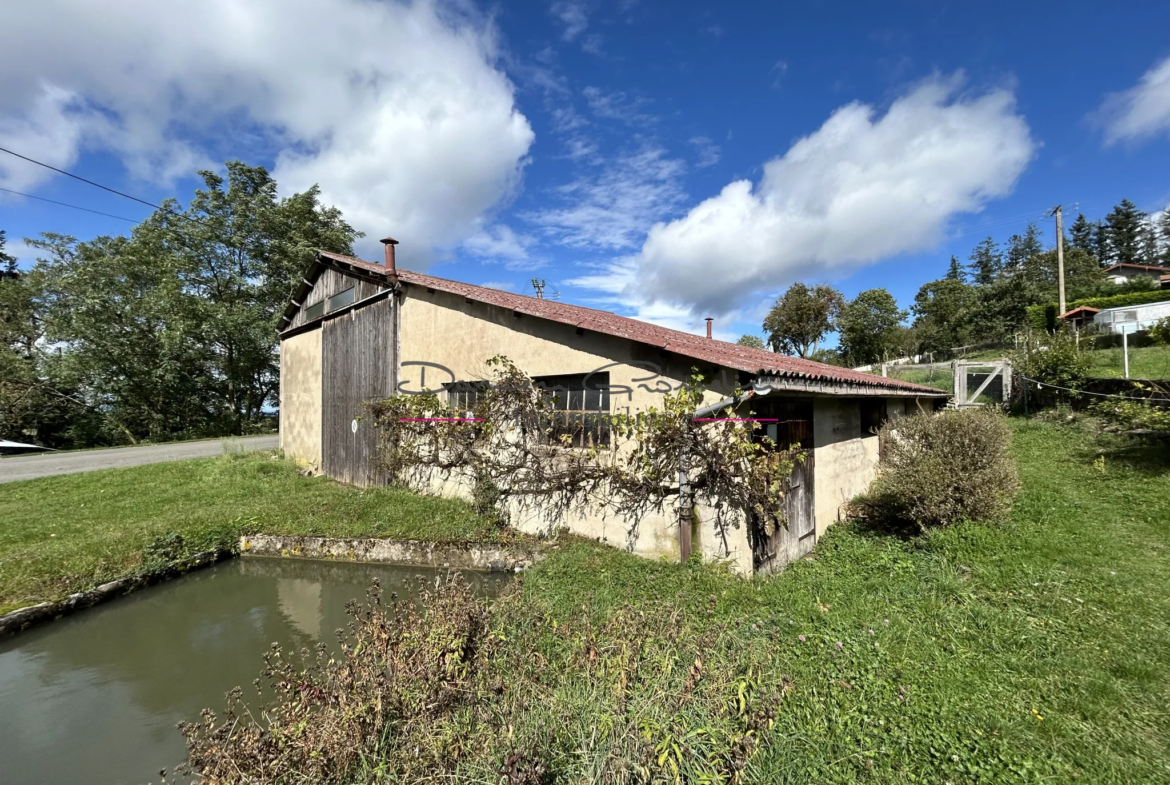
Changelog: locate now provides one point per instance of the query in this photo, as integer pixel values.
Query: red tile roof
(721, 353)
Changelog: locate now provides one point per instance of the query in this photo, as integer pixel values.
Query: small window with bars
(463, 396)
(580, 409)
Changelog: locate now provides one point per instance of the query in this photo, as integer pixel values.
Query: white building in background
(1131, 318)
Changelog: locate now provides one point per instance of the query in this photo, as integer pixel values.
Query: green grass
(1035, 650)
(72, 532)
(1150, 362)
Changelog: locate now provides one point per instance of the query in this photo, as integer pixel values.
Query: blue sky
(667, 161)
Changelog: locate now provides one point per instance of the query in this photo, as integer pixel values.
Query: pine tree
(1149, 242)
(1082, 234)
(955, 271)
(1164, 231)
(1125, 233)
(1102, 246)
(1021, 248)
(986, 263)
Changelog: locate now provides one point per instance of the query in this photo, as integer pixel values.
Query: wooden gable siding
(332, 281)
(359, 363)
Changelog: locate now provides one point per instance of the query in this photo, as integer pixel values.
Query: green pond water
(94, 698)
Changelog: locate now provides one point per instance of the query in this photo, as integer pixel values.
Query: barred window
(580, 408)
(463, 396)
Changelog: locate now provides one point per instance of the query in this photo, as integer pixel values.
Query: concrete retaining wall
(493, 557)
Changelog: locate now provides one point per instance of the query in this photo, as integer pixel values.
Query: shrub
(942, 468)
(1052, 359)
(1134, 415)
(1160, 332)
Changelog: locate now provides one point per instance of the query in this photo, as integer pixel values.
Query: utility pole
(538, 285)
(1060, 257)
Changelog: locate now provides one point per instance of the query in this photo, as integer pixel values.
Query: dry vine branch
(510, 452)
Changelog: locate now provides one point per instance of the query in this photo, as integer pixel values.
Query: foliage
(1123, 227)
(73, 532)
(801, 318)
(1039, 315)
(828, 357)
(752, 342)
(514, 450)
(969, 654)
(938, 469)
(868, 325)
(1054, 359)
(1131, 414)
(1160, 331)
(944, 312)
(170, 332)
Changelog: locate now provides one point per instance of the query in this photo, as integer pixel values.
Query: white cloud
(708, 152)
(861, 188)
(398, 110)
(499, 243)
(503, 286)
(573, 16)
(1141, 111)
(613, 208)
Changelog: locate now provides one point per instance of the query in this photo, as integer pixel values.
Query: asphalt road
(28, 467)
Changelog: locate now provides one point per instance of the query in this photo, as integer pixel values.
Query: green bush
(1052, 359)
(937, 469)
(1133, 415)
(1043, 317)
(1160, 332)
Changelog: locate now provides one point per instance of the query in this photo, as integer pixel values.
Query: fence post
(1125, 349)
(885, 369)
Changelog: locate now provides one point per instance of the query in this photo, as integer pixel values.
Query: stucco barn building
(357, 331)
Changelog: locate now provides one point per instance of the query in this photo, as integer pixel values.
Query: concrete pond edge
(482, 556)
(23, 618)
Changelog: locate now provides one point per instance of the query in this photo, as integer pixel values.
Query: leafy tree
(801, 318)
(944, 313)
(955, 271)
(868, 325)
(752, 342)
(827, 356)
(170, 332)
(986, 262)
(1164, 237)
(1082, 234)
(1124, 231)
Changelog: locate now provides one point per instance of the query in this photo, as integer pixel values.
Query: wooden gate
(772, 552)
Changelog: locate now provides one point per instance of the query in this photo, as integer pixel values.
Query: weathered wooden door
(771, 552)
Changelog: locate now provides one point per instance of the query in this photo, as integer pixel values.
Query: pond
(94, 698)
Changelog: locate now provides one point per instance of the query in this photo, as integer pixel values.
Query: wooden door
(772, 552)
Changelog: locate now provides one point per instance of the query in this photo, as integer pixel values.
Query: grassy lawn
(1150, 362)
(72, 532)
(1037, 650)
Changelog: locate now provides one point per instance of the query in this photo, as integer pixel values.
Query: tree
(171, 331)
(752, 342)
(801, 318)
(1164, 237)
(944, 314)
(1082, 234)
(1124, 231)
(1022, 249)
(867, 325)
(986, 262)
(955, 271)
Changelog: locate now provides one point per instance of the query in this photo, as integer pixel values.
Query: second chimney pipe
(390, 242)
(709, 320)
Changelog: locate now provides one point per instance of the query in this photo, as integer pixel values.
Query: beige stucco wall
(846, 461)
(446, 330)
(300, 398)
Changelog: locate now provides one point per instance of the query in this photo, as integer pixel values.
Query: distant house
(1123, 273)
(357, 331)
(1080, 317)
(1131, 318)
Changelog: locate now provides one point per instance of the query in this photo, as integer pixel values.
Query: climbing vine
(505, 447)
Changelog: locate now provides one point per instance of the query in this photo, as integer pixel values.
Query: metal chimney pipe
(709, 320)
(390, 242)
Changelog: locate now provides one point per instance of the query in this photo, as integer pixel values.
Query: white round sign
(353, 426)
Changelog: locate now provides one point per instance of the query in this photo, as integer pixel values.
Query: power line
(71, 206)
(78, 177)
